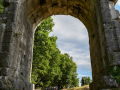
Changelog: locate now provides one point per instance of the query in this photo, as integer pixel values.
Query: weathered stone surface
(20, 19)
(115, 58)
(114, 13)
(110, 81)
(2, 30)
(5, 84)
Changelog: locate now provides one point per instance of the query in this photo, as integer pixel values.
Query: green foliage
(112, 57)
(17, 34)
(87, 80)
(49, 66)
(1, 6)
(115, 72)
(41, 53)
(68, 68)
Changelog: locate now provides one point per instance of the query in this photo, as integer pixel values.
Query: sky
(73, 39)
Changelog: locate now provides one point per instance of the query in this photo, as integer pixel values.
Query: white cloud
(118, 3)
(82, 75)
(73, 39)
(68, 28)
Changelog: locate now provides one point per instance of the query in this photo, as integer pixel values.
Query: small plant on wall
(115, 72)
(17, 34)
(1, 6)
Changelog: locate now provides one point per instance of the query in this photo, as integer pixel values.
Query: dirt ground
(86, 87)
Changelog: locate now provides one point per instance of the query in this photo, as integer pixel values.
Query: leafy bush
(115, 72)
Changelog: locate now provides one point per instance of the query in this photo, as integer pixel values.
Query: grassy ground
(75, 88)
(78, 88)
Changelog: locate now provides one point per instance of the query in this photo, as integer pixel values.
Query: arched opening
(73, 40)
(85, 15)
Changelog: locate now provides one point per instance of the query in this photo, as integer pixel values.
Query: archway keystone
(20, 19)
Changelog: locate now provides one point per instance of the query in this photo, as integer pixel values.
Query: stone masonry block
(6, 47)
(107, 20)
(10, 1)
(109, 25)
(118, 35)
(9, 27)
(8, 37)
(19, 84)
(110, 81)
(108, 35)
(11, 17)
(12, 7)
(2, 30)
(113, 12)
(2, 27)
(4, 71)
(4, 15)
(115, 45)
(4, 59)
(114, 36)
(117, 24)
(5, 84)
(106, 14)
(104, 1)
(111, 5)
(4, 18)
(30, 86)
(22, 46)
(117, 13)
(116, 58)
(104, 5)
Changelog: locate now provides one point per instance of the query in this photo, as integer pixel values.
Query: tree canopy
(49, 66)
(87, 81)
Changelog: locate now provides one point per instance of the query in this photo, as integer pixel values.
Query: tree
(45, 55)
(50, 67)
(87, 80)
(68, 68)
(41, 53)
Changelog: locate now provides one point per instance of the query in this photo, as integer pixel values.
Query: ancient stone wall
(21, 17)
(16, 50)
(112, 28)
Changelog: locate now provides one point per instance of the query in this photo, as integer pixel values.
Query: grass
(75, 88)
(78, 88)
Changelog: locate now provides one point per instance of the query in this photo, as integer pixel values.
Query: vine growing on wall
(115, 72)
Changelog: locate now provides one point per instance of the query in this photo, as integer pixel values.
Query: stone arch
(20, 19)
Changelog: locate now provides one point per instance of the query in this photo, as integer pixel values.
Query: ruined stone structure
(20, 19)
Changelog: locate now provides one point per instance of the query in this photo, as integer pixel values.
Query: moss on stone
(1, 6)
(115, 72)
(17, 34)
(12, 88)
(112, 57)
